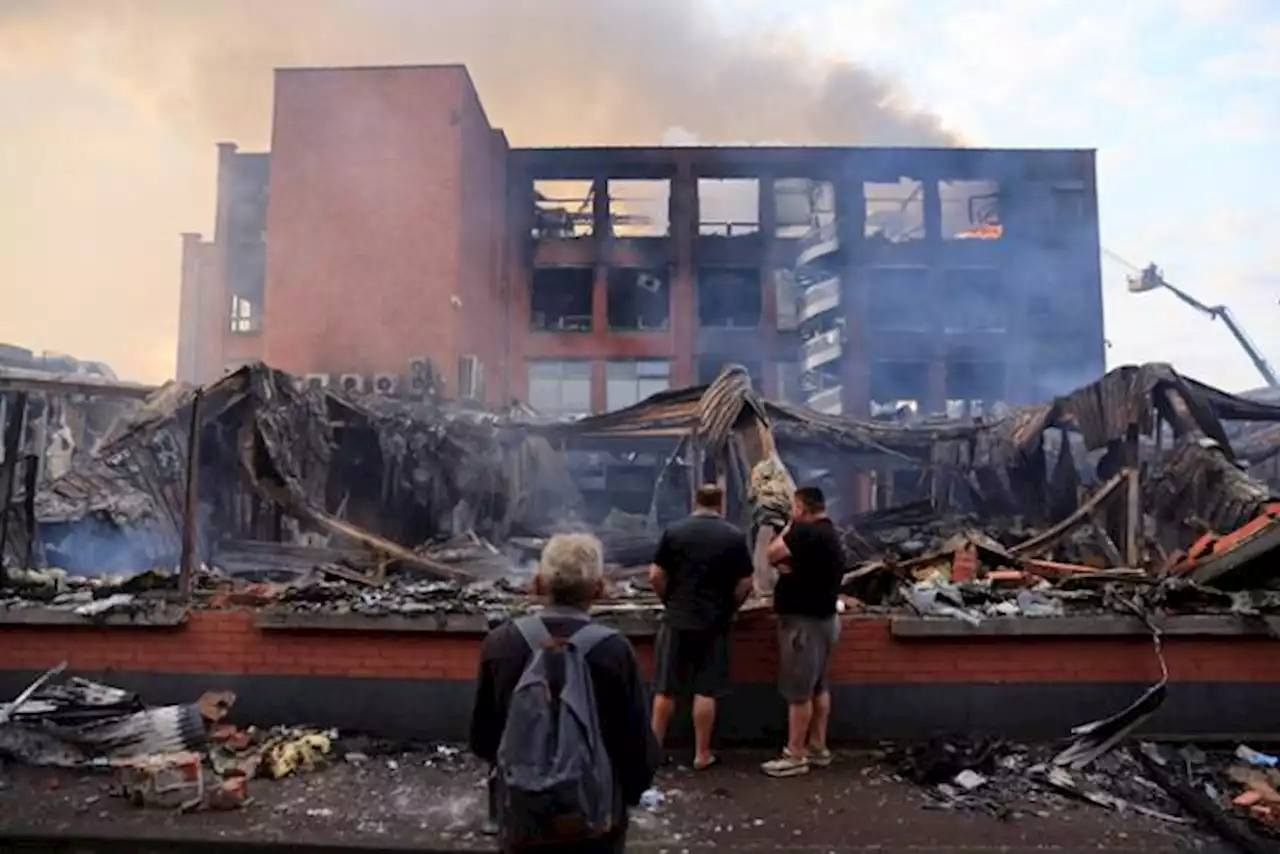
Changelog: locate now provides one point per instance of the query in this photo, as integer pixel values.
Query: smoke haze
(112, 110)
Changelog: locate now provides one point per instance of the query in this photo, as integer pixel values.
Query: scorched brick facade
(1022, 677)
(393, 241)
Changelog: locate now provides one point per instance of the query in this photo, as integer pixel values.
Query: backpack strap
(534, 631)
(586, 638)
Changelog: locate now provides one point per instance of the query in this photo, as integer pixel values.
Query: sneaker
(786, 766)
(820, 757)
(817, 758)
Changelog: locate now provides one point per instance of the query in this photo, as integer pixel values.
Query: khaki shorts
(804, 648)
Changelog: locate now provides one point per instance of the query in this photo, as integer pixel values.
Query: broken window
(899, 299)
(709, 367)
(629, 382)
(801, 205)
(898, 386)
(638, 300)
(640, 208)
(729, 298)
(970, 210)
(982, 383)
(973, 300)
(560, 387)
(894, 212)
(562, 209)
(244, 316)
(560, 299)
(728, 207)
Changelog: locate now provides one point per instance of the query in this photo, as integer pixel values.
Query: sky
(112, 111)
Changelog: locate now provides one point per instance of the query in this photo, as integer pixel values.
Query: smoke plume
(113, 109)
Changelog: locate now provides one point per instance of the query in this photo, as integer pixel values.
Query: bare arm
(658, 580)
(778, 553)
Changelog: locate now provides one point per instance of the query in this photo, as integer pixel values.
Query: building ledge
(1192, 625)
(162, 618)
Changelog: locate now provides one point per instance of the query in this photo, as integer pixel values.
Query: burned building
(407, 247)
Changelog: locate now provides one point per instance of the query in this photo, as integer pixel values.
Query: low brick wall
(892, 677)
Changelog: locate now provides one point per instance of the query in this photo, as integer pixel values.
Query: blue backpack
(555, 780)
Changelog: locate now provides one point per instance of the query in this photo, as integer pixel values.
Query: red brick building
(392, 239)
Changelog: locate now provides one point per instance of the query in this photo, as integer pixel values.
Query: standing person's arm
(780, 550)
(742, 570)
(659, 569)
(487, 720)
(625, 727)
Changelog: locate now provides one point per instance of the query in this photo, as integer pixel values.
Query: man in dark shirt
(810, 561)
(571, 575)
(702, 572)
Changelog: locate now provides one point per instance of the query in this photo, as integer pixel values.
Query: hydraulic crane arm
(1151, 278)
(1224, 314)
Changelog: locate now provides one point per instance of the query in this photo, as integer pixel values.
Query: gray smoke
(549, 71)
(120, 102)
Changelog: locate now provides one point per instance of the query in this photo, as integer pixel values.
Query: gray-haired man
(569, 577)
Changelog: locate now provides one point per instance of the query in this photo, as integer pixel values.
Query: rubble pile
(1231, 791)
(313, 500)
(183, 757)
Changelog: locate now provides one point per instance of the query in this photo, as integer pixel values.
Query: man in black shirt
(810, 561)
(702, 573)
(571, 575)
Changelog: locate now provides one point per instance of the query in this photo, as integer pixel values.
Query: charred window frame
(898, 386)
(983, 382)
(639, 208)
(728, 207)
(730, 298)
(1068, 210)
(563, 210)
(560, 299)
(629, 381)
(974, 300)
(894, 212)
(709, 366)
(638, 300)
(900, 299)
(560, 387)
(801, 205)
(970, 210)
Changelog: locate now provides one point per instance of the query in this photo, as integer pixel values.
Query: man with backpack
(560, 713)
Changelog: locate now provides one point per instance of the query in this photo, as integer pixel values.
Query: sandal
(705, 765)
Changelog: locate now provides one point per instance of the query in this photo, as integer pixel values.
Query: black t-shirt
(812, 587)
(704, 558)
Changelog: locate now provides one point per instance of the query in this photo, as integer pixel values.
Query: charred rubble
(312, 499)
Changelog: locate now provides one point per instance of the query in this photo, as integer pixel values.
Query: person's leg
(490, 826)
(664, 686)
(799, 716)
(825, 641)
(817, 739)
(710, 675)
(663, 706)
(704, 723)
(795, 683)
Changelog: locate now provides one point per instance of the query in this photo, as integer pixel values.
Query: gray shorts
(804, 648)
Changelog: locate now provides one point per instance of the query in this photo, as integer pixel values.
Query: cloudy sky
(112, 108)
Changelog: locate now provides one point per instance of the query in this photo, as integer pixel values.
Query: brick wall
(364, 219)
(229, 642)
